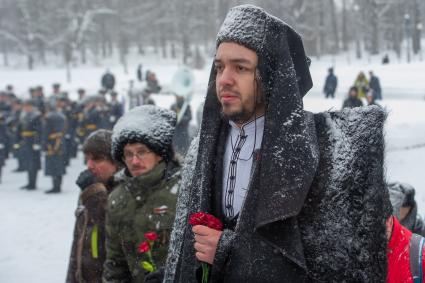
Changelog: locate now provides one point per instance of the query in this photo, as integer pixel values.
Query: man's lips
(227, 96)
(137, 169)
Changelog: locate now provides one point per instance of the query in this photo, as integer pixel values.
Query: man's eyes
(219, 68)
(242, 68)
(238, 68)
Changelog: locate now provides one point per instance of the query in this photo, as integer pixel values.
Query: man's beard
(239, 117)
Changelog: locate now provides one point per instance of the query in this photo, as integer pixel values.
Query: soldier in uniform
(10, 91)
(54, 135)
(116, 109)
(4, 141)
(4, 102)
(81, 94)
(92, 118)
(5, 109)
(71, 142)
(102, 108)
(56, 92)
(63, 106)
(12, 127)
(38, 98)
(28, 140)
(78, 114)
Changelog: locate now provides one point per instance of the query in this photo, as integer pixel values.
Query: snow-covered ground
(36, 229)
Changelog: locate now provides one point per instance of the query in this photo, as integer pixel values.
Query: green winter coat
(138, 205)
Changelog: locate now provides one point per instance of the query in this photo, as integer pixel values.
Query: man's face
(16, 106)
(27, 108)
(60, 104)
(139, 158)
(237, 89)
(102, 168)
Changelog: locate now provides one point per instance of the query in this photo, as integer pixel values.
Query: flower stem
(205, 272)
(151, 260)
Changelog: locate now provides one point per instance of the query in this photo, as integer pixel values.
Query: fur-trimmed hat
(150, 125)
(98, 144)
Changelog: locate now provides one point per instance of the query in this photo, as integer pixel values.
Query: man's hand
(206, 240)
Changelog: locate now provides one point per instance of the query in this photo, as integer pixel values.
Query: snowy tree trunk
(123, 59)
(67, 55)
(221, 11)
(140, 49)
(41, 52)
(335, 47)
(374, 24)
(155, 41)
(103, 38)
(397, 30)
(185, 47)
(417, 28)
(321, 40)
(110, 47)
(344, 26)
(5, 54)
(30, 62)
(163, 41)
(83, 53)
(123, 49)
(173, 50)
(68, 72)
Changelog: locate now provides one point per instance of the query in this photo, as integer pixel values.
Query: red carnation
(151, 236)
(144, 247)
(202, 218)
(205, 219)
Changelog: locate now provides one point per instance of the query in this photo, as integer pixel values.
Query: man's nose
(226, 77)
(90, 164)
(135, 160)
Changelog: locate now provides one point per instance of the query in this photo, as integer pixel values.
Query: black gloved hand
(85, 179)
(156, 276)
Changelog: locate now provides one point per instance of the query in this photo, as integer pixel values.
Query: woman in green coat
(141, 210)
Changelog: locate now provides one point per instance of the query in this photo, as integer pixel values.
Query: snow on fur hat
(254, 28)
(148, 124)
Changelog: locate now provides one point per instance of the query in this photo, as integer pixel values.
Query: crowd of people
(53, 127)
(50, 129)
(362, 89)
(268, 192)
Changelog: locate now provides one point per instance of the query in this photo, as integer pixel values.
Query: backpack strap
(416, 246)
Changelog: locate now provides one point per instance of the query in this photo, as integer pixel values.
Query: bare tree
(94, 29)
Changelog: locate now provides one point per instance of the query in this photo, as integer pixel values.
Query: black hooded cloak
(316, 204)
